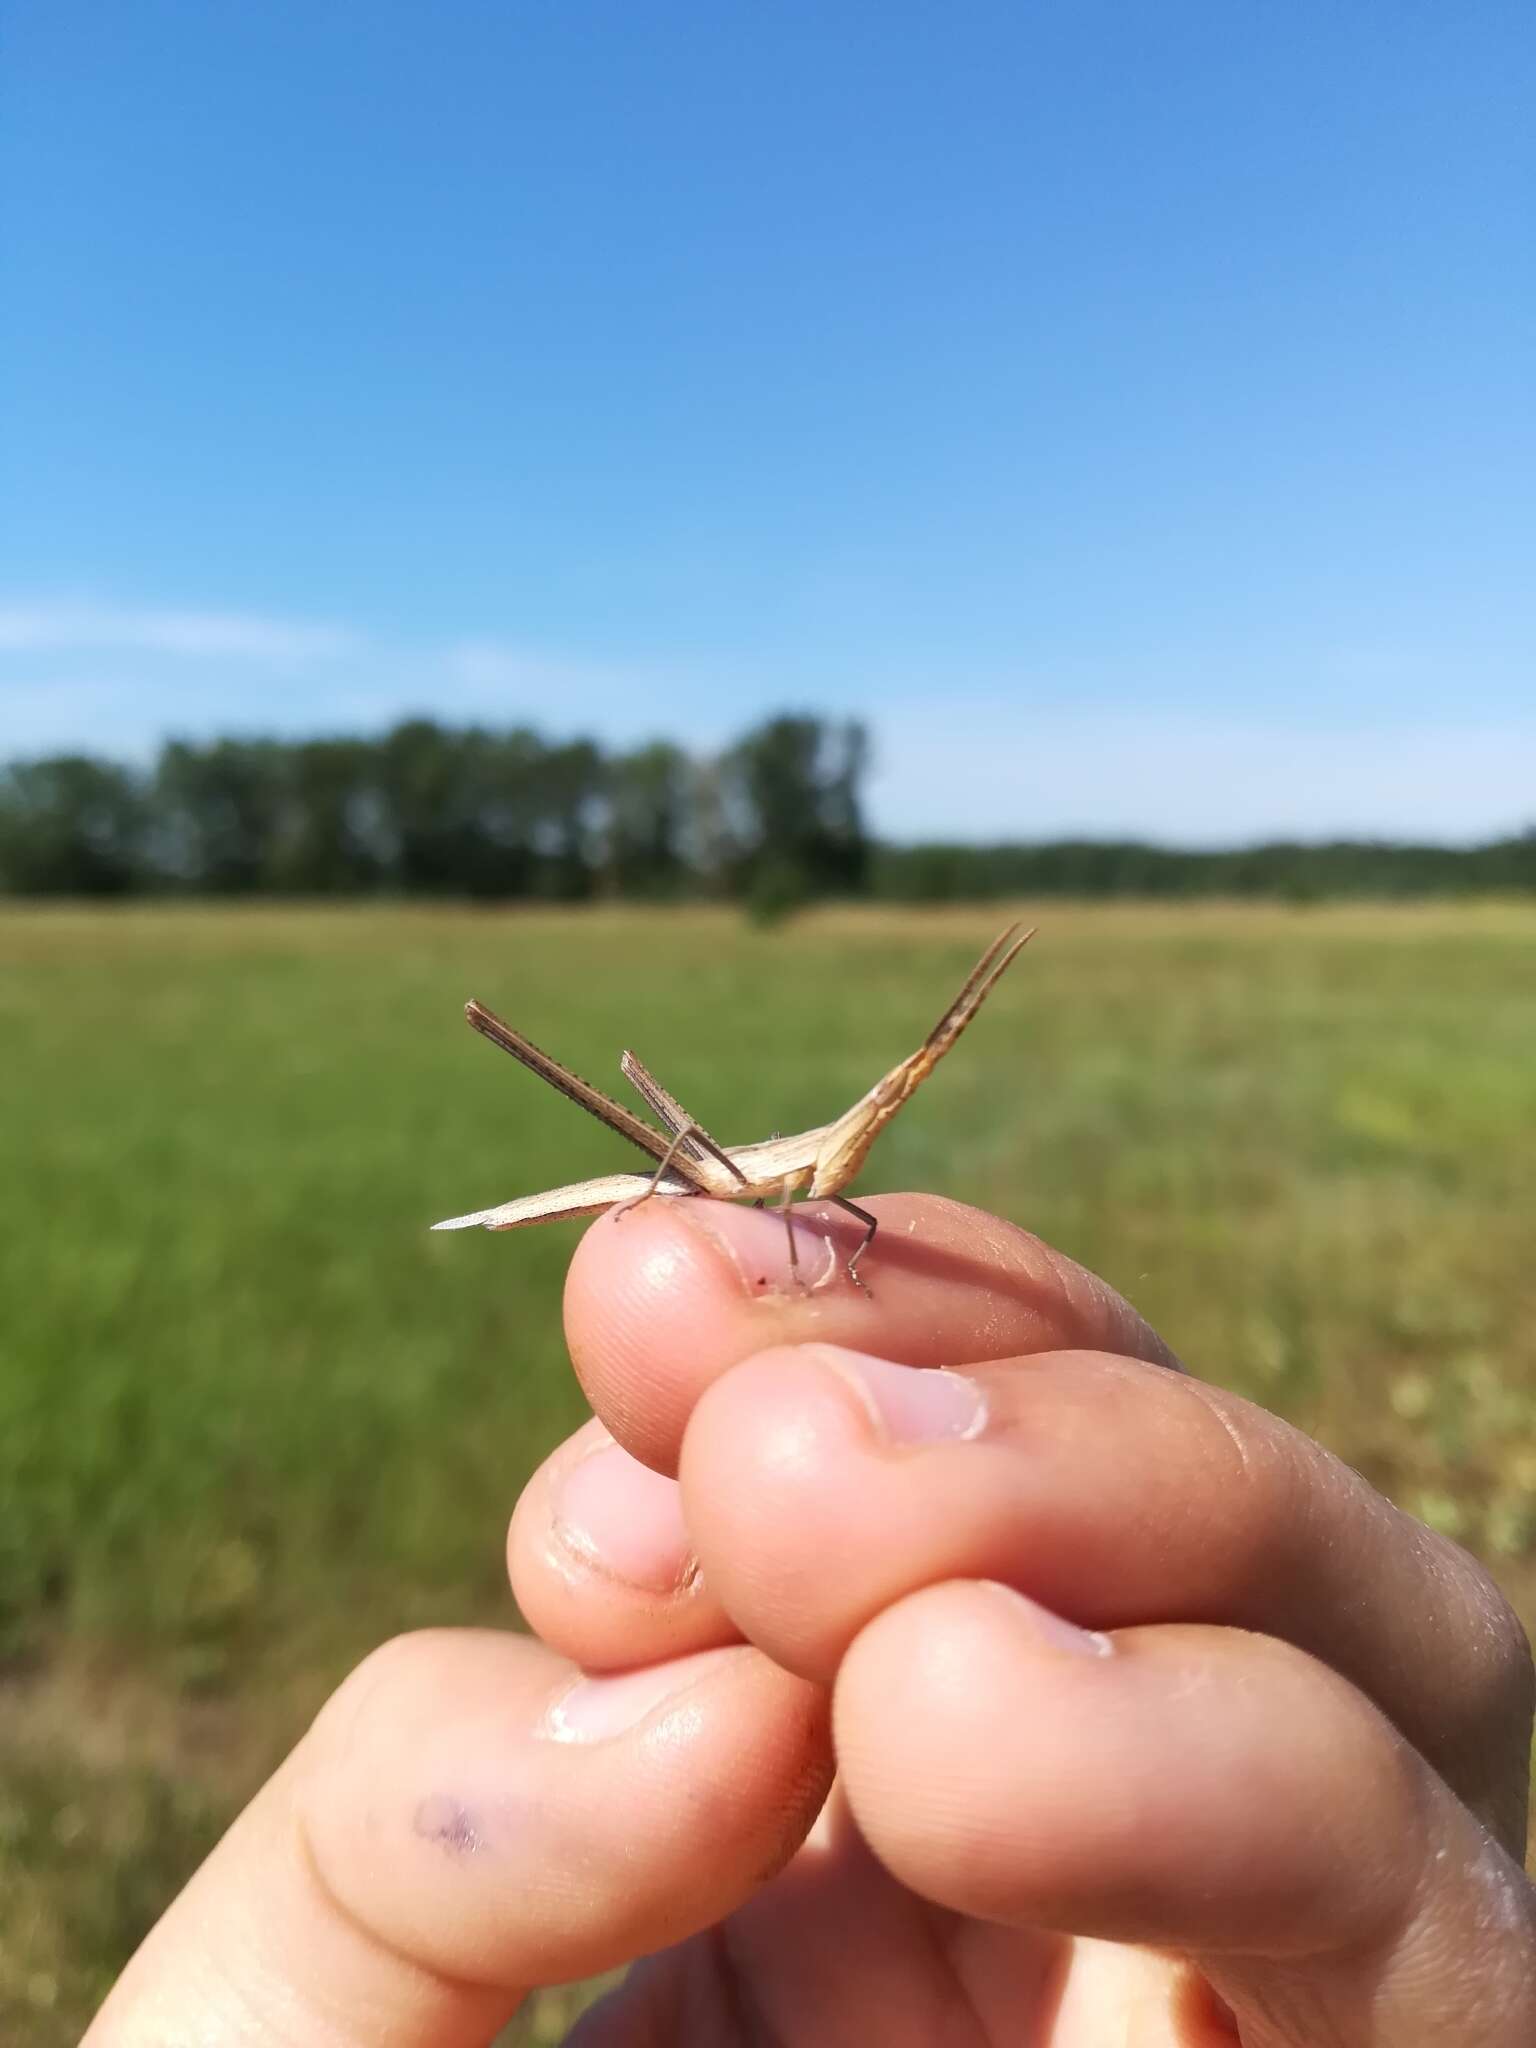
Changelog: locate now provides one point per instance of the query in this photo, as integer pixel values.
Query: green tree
(218, 813)
(71, 826)
(458, 809)
(509, 775)
(570, 785)
(648, 804)
(791, 796)
(333, 838)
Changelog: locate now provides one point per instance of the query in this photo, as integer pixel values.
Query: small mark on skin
(445, 1821)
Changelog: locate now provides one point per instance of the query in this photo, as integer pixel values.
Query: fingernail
(618, 1517)
(911, 1404)
(596, 1709)
(756, 1241)
(1050, 1628)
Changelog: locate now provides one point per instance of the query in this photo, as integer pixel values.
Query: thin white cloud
(993, 769)
(991, 761)
(68, 684)
(96, 629)
(496, 670)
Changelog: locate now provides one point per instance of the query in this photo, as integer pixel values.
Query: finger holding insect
(662, 1302)
(660, 1305)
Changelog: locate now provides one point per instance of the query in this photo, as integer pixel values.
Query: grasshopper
(819, 1163)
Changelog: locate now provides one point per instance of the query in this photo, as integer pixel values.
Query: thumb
(470, 1817)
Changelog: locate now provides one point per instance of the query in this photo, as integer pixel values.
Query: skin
(1152, 1723)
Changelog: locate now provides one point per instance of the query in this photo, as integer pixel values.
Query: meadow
(254, 1417)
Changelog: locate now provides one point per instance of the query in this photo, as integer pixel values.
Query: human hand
(1277, 1796)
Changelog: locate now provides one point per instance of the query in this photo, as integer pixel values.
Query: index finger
(664, 1299)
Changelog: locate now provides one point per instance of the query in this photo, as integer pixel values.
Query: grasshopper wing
(581, 1198)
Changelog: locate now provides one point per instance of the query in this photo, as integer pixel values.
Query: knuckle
(1500, 1673)
(1258, 1480)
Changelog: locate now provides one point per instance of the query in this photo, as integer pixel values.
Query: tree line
(434, 810)
(1294, 871)
(469, 812)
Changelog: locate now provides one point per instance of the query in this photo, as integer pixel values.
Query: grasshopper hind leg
(871, 1225)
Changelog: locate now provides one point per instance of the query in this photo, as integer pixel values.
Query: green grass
(253, 1417)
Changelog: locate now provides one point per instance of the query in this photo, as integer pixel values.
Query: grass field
(253, 1417)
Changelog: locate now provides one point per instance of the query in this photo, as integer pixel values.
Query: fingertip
(664, 1297)
(501, 1817)
(601, 1563)
(1190, 1786)
(772, 1478)
(648, 1307)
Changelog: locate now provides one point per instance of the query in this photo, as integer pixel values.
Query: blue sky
(1128, 409)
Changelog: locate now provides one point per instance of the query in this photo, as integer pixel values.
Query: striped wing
(581, 1198)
